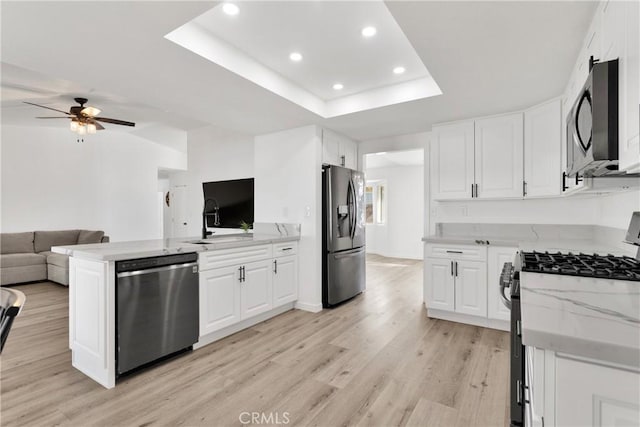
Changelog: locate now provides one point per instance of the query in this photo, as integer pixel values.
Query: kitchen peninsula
(243, 279)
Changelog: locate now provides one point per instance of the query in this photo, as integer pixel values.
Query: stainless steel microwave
(592, 124)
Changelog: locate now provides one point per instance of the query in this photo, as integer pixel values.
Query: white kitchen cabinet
(219, 298)
(593, 394)
(456, 279)
(499, 156)
(542, 150)
(439, 285)
(339, 150)
(452, 161)
(285, 280)
(497, 256)
(629, 143)
(256, 289)
(471, 287)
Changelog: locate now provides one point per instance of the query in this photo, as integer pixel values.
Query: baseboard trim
(305, 306)
(244, 324)
(501, 325)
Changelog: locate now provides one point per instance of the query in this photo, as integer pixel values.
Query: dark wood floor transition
(376, 361)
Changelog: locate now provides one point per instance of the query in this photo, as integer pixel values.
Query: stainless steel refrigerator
(343, 229)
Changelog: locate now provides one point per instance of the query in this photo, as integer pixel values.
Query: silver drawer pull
(287, 249)
(455, 252)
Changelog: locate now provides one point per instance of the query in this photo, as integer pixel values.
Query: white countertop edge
(607, 352)
(117, 251)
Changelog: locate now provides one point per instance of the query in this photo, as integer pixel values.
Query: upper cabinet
(629, 147)
(498, 156)
(478, 159)
(338, 150)
(452, 161)
(542, 150)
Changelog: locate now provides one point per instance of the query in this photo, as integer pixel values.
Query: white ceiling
(328, 36)
(487, 57)
(394, 159)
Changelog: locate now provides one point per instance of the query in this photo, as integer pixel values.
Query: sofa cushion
(88, 236)
(57, 259)
(21, 260)
(15, 243)
(43, 240)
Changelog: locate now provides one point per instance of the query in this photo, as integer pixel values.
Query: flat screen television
(232, 201)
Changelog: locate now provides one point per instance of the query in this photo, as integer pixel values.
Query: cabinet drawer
(463, 252)
(285, 248)
(226, 257)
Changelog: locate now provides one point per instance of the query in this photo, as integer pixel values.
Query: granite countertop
(118, 251)
(598, 319)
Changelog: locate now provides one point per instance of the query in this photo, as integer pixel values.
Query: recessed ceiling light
(295, 56)
(338, 86)
(369, 31)
(398, 70)
(230, 9)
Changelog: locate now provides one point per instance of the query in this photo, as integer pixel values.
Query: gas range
(583, 265)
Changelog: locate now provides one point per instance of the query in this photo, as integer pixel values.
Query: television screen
(232, 201)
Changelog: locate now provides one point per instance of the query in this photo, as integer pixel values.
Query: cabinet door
(330, 148)
(496, 258)
(256, 289)
(499, 156)
(285, 280)
(438, 284)
(629, 90)
(219, 298)
(595, 395)
(452, 161)
(349, 154)
(542, 150)
(471, 287)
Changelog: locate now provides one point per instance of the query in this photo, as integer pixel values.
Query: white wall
(214, 154)
(108, 182)
(615, 210)
(400, 236)
(288, 185)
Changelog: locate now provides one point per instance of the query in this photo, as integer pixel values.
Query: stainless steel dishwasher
(156, 308)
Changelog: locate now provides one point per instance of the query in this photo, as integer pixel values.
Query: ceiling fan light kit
(84, 120)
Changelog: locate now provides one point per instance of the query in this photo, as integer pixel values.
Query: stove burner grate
(583, 265)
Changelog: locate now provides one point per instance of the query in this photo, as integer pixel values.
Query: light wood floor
(375, 361)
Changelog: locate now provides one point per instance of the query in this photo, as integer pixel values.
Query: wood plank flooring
(375, 361)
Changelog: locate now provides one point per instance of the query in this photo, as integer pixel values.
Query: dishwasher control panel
(154, 262)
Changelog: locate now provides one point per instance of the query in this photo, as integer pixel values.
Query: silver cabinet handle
(454, 252)
(456, 262)
(452, 268)
(286, 249)
(240, 274)
(275, 266)
(472, 196)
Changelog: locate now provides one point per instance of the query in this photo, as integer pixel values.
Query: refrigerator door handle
(355, 209)
(352, 223)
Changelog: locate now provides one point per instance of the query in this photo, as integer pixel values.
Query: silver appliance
(592, 123)
(343, 229)
(157, 308)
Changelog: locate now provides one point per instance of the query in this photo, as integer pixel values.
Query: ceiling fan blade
(54, 118)
(114, 121)
(98, 125)
(48, 108)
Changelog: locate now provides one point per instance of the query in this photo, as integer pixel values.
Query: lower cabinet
(285, 280)
(255, 289)
(236, 285)
(563, 390)
(453, 283)
(219, 298)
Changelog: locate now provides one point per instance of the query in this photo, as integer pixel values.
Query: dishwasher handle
(193, 265)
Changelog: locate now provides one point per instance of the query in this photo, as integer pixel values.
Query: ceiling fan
(83, 119)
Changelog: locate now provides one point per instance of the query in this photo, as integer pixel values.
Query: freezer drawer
(345, 277)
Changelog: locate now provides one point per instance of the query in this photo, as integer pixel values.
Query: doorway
(394, 201)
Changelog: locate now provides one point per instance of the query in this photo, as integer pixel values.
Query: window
(375, 197)
(368, 203)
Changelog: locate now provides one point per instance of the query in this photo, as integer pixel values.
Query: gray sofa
(27, 257)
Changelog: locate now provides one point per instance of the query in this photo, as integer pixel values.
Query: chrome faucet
(211, 208)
